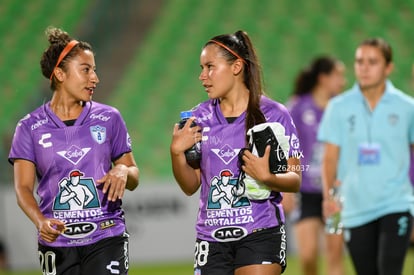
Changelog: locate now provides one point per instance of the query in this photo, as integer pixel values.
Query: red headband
(62, 55)
(230, 50)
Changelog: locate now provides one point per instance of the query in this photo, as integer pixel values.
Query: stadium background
(147, 55)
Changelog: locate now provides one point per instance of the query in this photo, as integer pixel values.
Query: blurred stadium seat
(22, 26)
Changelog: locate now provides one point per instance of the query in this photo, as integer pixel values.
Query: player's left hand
(114, 182)
(257, 167)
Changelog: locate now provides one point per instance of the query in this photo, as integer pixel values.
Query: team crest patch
(98, 133)
(393, 119)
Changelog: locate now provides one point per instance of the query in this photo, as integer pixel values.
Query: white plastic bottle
(333, 224)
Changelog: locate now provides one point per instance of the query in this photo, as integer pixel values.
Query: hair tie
(62, 55)
(230, 50)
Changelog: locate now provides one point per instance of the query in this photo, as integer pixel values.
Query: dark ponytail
(241, 45)
(307, 79)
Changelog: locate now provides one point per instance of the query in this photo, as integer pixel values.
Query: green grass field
(186, 268)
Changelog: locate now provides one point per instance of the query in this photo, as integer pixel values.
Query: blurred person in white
(368, 133)
(315, 84)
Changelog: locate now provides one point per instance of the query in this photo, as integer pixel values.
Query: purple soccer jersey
(233, 216)
(69, 160)
(307, 117)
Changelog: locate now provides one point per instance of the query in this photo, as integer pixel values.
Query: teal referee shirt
(374, 156)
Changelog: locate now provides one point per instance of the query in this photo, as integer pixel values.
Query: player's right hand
(330, 207)
(185, 137)
(50, 229)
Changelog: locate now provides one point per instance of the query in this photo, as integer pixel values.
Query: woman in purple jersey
(314, 86)
(240, 225)
(80, 153)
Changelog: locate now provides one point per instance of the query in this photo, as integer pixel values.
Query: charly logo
(98, 133)
(113, 267)
(74, 154)
(44, 140)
